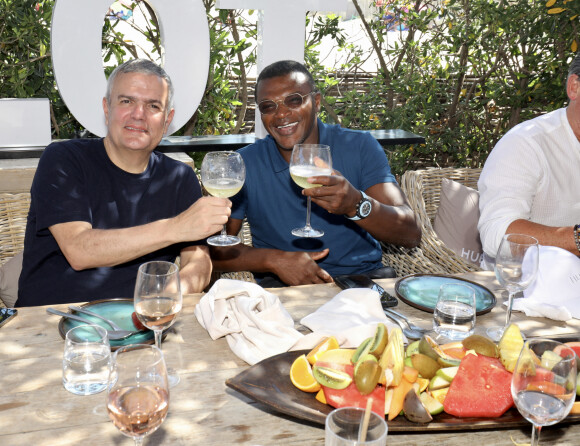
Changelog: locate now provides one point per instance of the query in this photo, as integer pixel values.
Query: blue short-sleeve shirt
(274, 204)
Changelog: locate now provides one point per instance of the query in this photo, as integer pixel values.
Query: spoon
(409, 334)
(114, 335)
(407, 321)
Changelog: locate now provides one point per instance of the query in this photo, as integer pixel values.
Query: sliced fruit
(423, 384)
(362, 350)
(367, 374)
(393, 357)
(301, 375)
(412, 348)
(482, 345)
(411, 374)
(578, 385)
(447, 373)
(438, 382)
(333, 379)
(428, 347)
(388, 399)
(439, 394)
(399, 393)
(338, 356)
(549, 359)
(414, 409)
(510, 345)
(426, 366)
(433, 406)
(379, 341)
(575, 407)
(328, 343)
(320, 396)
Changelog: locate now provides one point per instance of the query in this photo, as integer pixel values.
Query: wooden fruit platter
(268, 383)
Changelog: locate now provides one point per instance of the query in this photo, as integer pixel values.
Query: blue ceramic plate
(421, 291)
(117, 310)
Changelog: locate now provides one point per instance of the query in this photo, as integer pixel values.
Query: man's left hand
(336, 195)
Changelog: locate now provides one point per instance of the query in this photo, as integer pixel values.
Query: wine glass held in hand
(516, 267)
(138, 395)
(158, 299)
(544, 383)
(309, 160)
(223, 175)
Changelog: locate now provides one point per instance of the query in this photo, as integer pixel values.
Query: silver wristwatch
(363, 208)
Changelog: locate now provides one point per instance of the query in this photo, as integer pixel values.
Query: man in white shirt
(531, 179)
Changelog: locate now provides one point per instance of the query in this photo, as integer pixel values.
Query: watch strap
(357, 216)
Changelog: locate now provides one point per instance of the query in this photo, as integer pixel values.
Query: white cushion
(9, 275)
(456, 220)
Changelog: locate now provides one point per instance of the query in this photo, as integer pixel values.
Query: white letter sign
(78, 63)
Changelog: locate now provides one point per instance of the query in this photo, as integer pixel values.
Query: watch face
(365, 209)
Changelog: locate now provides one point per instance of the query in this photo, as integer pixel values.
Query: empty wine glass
(309, 160)
(544, 383)
(138, 395)
(516, 267)
(158, 299)
(223, 175)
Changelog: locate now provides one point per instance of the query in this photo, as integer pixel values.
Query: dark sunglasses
(293, 101)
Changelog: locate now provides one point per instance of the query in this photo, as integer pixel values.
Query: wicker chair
(13, 213)
(423, 190)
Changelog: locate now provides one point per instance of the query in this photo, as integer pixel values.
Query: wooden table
(36, 410)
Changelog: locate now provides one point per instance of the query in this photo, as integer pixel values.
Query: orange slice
(326, 344)
(301, 375)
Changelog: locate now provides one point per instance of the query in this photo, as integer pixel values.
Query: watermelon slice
(481, 388)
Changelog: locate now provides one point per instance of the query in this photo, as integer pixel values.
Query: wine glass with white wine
(223, 175)
(309, 160)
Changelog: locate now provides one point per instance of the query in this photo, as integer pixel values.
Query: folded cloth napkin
(351, 316)
(254, 321)
(555, 293)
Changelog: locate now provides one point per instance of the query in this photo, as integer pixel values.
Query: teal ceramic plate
(117, 310)
(421, 290)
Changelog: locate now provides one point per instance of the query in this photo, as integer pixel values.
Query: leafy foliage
(461, 74)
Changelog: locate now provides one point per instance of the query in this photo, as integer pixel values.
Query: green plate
(117, 310)
(421, 291)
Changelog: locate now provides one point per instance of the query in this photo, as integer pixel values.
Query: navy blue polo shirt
(274, 204)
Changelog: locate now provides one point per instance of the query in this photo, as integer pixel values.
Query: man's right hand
(203, 218)
(300, 268)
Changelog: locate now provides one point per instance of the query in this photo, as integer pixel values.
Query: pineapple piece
(510, 345)
(393, 358)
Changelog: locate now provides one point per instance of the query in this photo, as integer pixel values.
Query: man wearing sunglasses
(357, 206)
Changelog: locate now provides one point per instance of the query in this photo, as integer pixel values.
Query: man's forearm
(86, 247)
(242, 257)
(562, 237)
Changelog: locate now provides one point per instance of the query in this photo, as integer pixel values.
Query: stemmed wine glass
(223, 175)
(544, 383)
(138, 391)
(158, 299)
(516, 267)
(309, 160)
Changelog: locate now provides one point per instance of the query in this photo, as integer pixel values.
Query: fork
(91, 313)
(407, 321)
(114, 335)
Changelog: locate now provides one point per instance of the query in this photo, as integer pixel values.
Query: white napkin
(555, 293)
(255, 323)
(352, 314)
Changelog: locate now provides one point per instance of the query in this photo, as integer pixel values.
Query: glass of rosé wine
(138, 392)
(158, 300)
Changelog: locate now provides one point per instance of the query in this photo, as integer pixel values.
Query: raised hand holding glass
(309, 160)
(223, 175)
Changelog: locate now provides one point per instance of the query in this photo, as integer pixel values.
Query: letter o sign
(78, 63)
